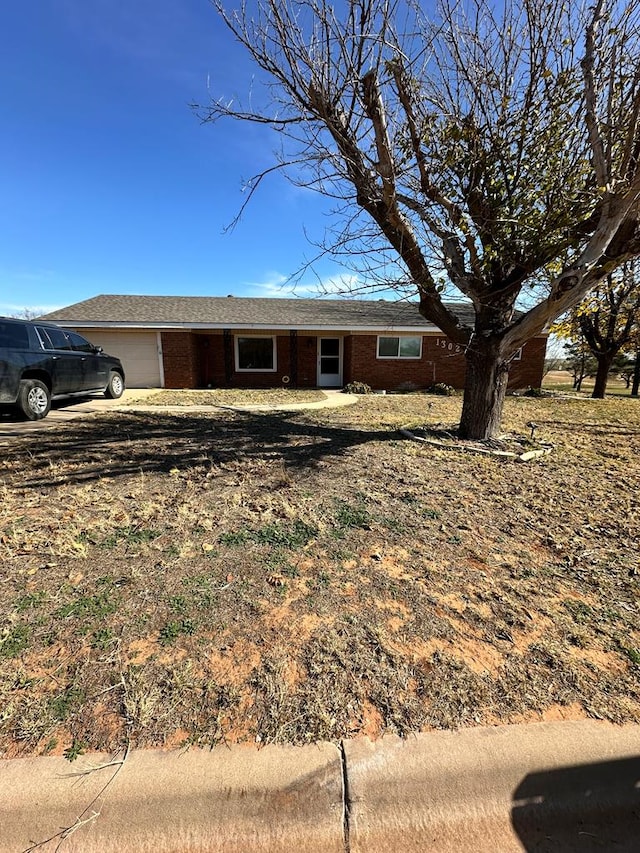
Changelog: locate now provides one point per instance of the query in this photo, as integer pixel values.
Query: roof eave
(275, 327)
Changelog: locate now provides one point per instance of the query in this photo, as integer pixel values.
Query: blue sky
(110, 182)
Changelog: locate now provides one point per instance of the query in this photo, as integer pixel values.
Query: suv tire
(34, 399)
(115, 386)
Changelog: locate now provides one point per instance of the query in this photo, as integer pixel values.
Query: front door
(329, 362)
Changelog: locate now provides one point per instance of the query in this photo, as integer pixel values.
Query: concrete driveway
(67, 410)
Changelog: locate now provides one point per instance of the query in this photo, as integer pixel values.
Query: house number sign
(456, 349)
(445, 343)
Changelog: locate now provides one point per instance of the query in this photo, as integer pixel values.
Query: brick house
(211, 342)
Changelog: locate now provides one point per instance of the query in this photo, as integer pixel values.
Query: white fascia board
(84, 324)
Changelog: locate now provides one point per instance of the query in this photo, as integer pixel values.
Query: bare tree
(492, 150)
(608, 319)
(580, 360)
(28, 313)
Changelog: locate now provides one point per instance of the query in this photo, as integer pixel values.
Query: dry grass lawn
(233, 397)
(197, 578)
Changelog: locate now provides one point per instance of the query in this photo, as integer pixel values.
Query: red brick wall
(525, 372)
(180, 360)
(362, 365)
(206, 365)
(447, 358)
(265, 380)
(442, 361)
(213, 366)
(307, 361)
(192, 361)
(529, 371)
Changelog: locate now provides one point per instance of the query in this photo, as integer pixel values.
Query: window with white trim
(399, 347)
(256, 354)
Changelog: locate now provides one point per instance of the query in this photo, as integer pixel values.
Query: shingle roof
(221, 311)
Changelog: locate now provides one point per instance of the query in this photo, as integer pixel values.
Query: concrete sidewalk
(544, 787)
(333, 400)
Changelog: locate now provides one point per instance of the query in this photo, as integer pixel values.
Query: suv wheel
(34, 399)
(115, 387)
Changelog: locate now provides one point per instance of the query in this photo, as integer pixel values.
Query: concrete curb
(544, 787)
(232, 800)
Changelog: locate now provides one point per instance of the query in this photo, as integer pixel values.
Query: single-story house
(213, 341)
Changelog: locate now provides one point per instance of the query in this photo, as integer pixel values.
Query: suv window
(79, 343)
(14, 336)
(53, 338)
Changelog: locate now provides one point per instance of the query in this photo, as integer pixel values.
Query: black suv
(40, 362)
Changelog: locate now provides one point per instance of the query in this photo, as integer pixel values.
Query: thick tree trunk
(605, 361)
(636, 377)
(484, 390)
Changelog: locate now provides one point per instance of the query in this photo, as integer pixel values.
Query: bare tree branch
(487, 150)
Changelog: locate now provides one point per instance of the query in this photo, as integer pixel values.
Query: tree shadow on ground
(589, 807)
(113, 446)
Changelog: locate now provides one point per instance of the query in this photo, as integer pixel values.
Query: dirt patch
(232, 397)
(172, 578)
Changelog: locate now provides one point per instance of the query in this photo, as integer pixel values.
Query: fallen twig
(81, 820)
(468, 448)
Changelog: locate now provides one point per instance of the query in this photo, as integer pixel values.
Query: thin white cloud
(274, 284)
(343, 284)
(277, 285)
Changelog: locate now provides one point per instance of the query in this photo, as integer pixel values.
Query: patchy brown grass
(172, 578)
(233, 397)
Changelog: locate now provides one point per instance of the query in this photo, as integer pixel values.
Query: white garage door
(138, 352)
